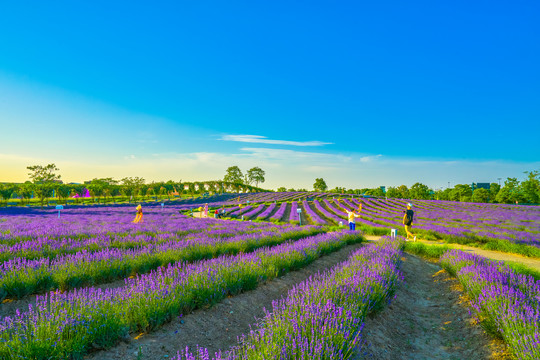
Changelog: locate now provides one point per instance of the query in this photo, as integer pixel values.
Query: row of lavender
(46, 237)
(66, 325)
(20, 276)
(508, 303)
(322, 317)
(516, 226)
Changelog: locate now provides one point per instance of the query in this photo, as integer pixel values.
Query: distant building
(486, 186)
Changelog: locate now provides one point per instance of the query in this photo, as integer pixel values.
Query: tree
(6, 190)
(461, 192)
(282, 189)
(43, 178)
(530, 188)
(320, 185)
(131, 186)
(392, 192)
(43, 174)
(255, 175)
(375, 192)
(419, 191)
(480, 195)
(493, 191)
(233, 175)
(509, 192)
(403, 192)
(63, 191)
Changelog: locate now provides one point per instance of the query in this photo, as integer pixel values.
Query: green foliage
(403, 192)
(320, 185)
(530, 188)
(428, 251)
(461, 192)
(419, 191)
(43, 174)
(43, 178)
(393, 192)
(234, 175)
(480, 195)
(255, 175)
(375, 192)
(509, 192)
(281, 189)
(493, 191)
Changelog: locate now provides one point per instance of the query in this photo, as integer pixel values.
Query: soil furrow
(219, 326)
(428, 319)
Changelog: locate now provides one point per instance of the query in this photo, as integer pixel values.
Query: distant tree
(375, 192)
(403, 192)
(530, 188)
(44, 179)
(480, 195)
(509, 193)
(291, 190)
(255, 175)
(461, 192)
(419, 191)
(493, 191)
(281, 189)
(320, 185)
(191, 189)
(43, 174)
(444, 194)
(234, 175)
(392, 192)
(6, 190)
(131, 185)
(25, 190)
(63, 191)
(301, 190)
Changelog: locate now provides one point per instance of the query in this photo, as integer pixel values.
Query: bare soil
(303, 218)
(219, 326)
(428, 319)
(287, 213)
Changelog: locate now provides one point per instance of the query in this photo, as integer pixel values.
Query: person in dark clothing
(408, 221)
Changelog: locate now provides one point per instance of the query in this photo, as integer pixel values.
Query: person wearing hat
(408, 221)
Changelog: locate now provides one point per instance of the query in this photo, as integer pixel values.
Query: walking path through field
(533, 263)
(428, 319)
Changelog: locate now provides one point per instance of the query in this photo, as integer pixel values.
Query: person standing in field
(139, 215)
(351, 216)
(408, 221)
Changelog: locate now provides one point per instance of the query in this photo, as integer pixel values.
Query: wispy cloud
(264, 140)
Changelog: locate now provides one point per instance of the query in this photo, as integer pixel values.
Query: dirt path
(217, 327)
(495, 255)
(428, 319)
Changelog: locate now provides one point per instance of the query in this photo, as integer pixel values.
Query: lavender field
(468, 222)
(89, 279)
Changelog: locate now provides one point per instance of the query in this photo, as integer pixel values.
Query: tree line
(45, 182)
(526, 191)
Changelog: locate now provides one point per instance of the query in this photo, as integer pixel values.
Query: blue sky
(359, 93)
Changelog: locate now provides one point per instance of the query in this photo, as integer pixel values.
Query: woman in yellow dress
(138, 217)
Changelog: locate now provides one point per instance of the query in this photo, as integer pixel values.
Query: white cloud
(264, 140)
